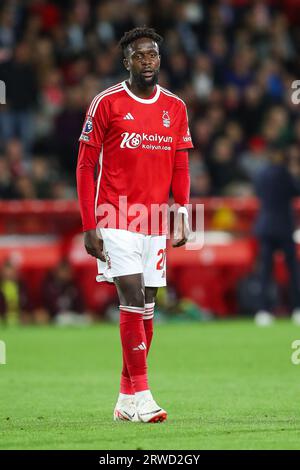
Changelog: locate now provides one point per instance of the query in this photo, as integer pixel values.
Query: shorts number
(162, 259)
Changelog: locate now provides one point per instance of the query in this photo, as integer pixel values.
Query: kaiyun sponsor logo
(133, 140)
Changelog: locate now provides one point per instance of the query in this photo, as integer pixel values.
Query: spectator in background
(293, 156)
(7, 32)
(223, 169)
(170, 307)
(200, 179)
(46, 12)
(24, 188)
(202, 76)
(62, 298)
(276, 188)
(14, 303)
(254, 105)
(16, 117)
(14, 155)
(254, 159)
(41, 176)
(6, 184)
(68, 124)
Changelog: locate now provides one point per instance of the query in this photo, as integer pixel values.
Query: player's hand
(181, 232)
(93, 244)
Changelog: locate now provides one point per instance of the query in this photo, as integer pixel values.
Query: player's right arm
(91, 140)
(87, 161)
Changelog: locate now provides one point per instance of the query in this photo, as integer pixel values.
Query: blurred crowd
(60, 300)
(232, 61)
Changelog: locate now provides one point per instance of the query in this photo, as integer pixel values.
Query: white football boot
(125, 410)
(149, 412)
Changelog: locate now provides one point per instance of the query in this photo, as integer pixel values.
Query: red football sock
(134, 347)
(125, 384)
(148, 323)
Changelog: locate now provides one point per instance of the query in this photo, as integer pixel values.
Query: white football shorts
(132, 253)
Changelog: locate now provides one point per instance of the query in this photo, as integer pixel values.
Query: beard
(143, 82)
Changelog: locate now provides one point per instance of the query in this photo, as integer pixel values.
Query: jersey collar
(142, 100)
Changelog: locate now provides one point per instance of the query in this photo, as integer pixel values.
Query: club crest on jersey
(88, 126)
(166, 119)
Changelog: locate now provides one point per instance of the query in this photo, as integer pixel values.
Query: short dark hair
(137, 33)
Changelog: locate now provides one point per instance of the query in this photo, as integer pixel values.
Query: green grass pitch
(225, 385)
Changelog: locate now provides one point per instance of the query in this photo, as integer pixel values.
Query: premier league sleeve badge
(88, 126)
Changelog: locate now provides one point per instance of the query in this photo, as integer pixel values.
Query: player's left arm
(181, 194)
(181, 178)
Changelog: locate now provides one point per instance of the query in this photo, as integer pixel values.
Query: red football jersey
(137, 141)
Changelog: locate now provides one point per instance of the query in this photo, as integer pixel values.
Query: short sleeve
(96, 122)
(184, 140)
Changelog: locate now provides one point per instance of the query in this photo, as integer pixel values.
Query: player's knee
(134, 295)
(136, 299)
(150, 294)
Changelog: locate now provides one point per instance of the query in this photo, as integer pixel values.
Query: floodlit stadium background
(232, 61)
